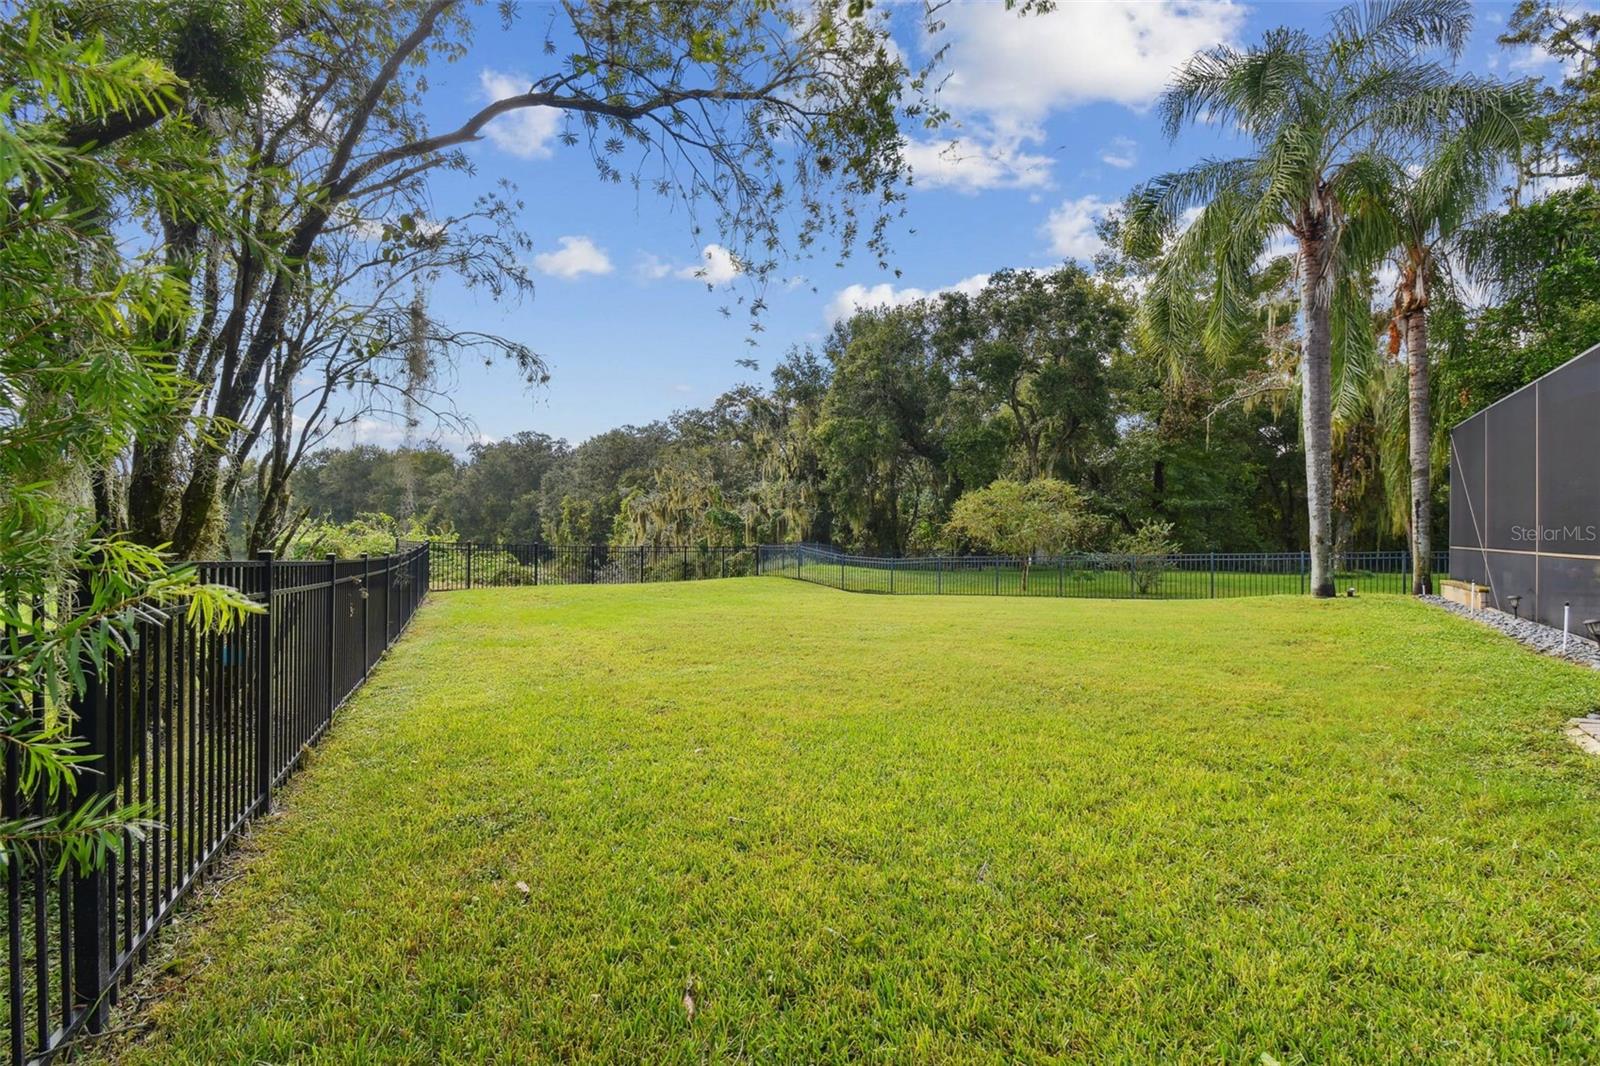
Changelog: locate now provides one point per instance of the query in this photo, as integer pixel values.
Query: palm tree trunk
(1421, 431)
(1316, 390)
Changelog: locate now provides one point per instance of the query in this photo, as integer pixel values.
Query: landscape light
(1516, 603)
(1350, 593)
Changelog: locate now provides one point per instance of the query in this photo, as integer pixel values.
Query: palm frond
(1357, 358)
(1156, 208)
(1246, 89)
(1230, 311)
(1390, 27)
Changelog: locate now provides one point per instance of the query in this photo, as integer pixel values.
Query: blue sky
(1054, 124)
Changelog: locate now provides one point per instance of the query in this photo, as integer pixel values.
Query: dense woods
(869, 442)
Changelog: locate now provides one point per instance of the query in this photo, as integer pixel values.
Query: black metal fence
(464, 565)
(197, 729)
(1192, 576)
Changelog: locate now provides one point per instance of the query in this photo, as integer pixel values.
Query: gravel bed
(1541, 638)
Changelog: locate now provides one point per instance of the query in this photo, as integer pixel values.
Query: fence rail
(1205, 575)
(465, 565)
(197, 729)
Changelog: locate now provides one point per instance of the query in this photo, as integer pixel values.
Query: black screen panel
(1524, 477)
(1510, 509)
(1513, 574)
(1564, 580)
(1466, 482)
(1569, 447)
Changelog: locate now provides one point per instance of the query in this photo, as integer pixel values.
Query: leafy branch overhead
(78, 382)
(773, 125)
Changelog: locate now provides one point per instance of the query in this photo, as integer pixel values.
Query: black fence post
(388, 603)
(333, 622)
(11, 809)
(264, 689)
(366, 614)
(91, 892)
(469, 564)
(1213, 575)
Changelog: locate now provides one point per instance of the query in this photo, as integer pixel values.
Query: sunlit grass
(916, 829)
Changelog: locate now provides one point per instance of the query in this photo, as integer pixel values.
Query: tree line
(870, 439)
(1267, 356)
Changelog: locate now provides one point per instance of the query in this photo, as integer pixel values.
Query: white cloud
(576, 256)
(1122, 153)
(1539, 188)
(970, 165)
(653, 267)
(1022, 67)
(525, 132)
(1008, 72)
(716, 266)
(1071, 227)
(854, 298)
(387, 434)
(682, 388)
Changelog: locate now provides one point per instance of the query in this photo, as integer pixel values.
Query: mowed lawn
(763, 820)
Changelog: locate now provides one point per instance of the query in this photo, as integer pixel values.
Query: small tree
(1147, 548)
(1025, 518)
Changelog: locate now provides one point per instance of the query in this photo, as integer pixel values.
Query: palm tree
(1324, 114)
(1415, 220)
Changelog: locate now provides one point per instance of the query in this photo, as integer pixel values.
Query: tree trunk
(1421, 433)
(150, 483)
(1316, 391)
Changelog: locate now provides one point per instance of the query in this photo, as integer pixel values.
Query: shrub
(1149, 545)
(369, 533)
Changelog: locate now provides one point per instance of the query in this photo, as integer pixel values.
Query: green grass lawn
(872, 828)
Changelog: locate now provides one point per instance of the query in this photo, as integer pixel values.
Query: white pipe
(1566, 623)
